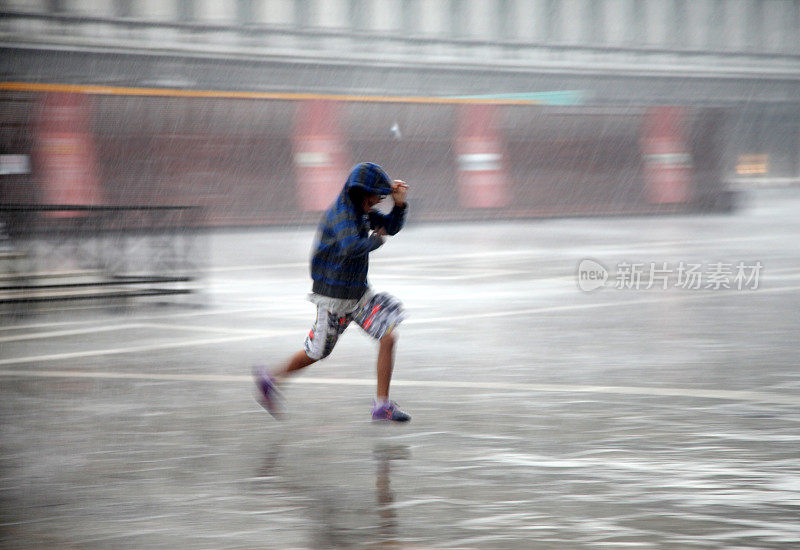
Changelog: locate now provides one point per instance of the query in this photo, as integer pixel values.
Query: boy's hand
(380, 232)
(399, 189)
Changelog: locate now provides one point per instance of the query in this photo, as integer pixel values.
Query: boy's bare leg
(296, 362)
(266, 382)
(385, 366)
(383, 408)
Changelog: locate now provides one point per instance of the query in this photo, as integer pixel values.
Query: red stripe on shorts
(368, 322)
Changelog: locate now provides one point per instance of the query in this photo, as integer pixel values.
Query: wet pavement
(543, 416)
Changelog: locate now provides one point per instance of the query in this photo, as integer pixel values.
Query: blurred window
(302, 13)
(679, 23)
(789, 18)
(410, 17)
(504, 27)
(56, 6)
(716, 25)
(552, 28)
(595, 22)
(186, 11)
(637, 23)
(755, 25)
(358, 15)
(244, 12)
(793, 35)
(457, 19)
(123, 8)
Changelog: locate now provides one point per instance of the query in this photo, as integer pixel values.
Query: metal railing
(70, 252)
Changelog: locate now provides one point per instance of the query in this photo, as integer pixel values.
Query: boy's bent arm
(393, 222)
(350, 243)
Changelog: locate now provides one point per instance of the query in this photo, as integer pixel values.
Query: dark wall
(235, 157)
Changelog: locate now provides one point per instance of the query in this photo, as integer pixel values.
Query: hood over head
(368, 178)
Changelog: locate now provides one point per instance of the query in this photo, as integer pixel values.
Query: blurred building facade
(722, 38)
(629, 33)
(741, 55)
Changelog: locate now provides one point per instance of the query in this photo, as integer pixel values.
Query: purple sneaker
(267, 391)
(389, 411)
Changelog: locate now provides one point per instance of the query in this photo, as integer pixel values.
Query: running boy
(341, 292)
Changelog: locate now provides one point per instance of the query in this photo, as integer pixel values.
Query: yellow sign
(749, 165)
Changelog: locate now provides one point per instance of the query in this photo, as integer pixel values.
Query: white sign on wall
(14, 164)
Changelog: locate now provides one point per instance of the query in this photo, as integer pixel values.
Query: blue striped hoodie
(340, 259)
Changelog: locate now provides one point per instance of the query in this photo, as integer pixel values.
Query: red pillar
(482, 181)
(65, 152)
(320, 159)
(667, 161)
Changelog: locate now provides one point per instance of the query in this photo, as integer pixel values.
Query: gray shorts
(378, 316)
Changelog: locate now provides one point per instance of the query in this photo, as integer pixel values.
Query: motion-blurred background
(255, 109)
